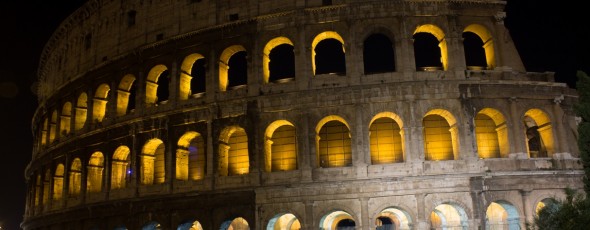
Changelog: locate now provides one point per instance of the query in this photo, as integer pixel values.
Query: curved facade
(290, 114)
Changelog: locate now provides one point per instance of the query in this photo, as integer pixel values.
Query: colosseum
(294, 114)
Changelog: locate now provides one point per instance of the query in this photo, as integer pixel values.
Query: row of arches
(499, 215)
(278, 63)
(333, 142)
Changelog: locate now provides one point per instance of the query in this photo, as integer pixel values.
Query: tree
(583, 110)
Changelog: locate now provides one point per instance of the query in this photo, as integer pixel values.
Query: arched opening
(539, 133)
(152, 162)
(192, 76)
(378, 54)
(386, 139)
(190, 157)
(486, 46)
(126, 95)
(440, 136)
(491, 134)
(38, 190)
(238, 223)
(233, 72)
(46, 184)
(81, 114)
(502, 215)
(65, 119)
(547, 202)
(448, 216)
(75, 180)
(333, 143)
(190, 225)
(120, 167)
(44, 132)
(280, 147)
(233, 152)
(328, 54)
(430, 48)
(99, 102)
(95, 170)
(278, 60)
(152, 226)
(156, 91)
(338, 220)
(475, 54)
(58, 182)
(285, 221)
(53, 127)
(393, 219)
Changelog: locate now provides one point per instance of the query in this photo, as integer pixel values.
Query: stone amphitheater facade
(293, 114)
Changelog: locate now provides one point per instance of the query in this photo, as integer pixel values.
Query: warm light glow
(447, 216)
(95, 168)
(541, 122)
(65, 119)
(542, 204)
(75, 180)
(151, 87)
(58, 182)
(502, 215)
(152, 162)
(333, 143)
(239, 224)
(185, 91)
(266, 55)
(81, 107)
(280, 147)
(284, 222)
(437, 138)
(488, 43)
(190, 157)
(120, 167)
(224, 65)
(38, 192)
(385, 141)
(238, 159)
(100, 101)
(401, 219)
(440, 36)
(331, 220)
(123, 94)
(46, 184)
(320, 37)
(44, 132)
(53, 127)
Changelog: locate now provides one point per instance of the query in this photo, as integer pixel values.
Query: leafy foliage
(583, 110)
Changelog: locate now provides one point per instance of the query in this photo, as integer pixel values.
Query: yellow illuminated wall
(190, 157)
(95, 170)
(440, 36)
(119, 167)
(152, 162)
(81, 111)
(224, 65)
(58, 182)
(123, 94)
(53, 127)
(151, 87)
(100, 101)
(496, 216)
(488, 43)
(46, 184)
(437, 138)
(238, 159)
(38, 192)
(185, 91)
(239, 224)
(538, 118)
(266, 55)
(286, 222)
(75, 180)
(280, 147)
(44, 132)
(334, 144)
(386, 141)
(65, 119)
(486, 136)
(320, 37)
(445, 216)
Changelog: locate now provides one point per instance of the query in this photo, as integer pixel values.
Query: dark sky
(545, 40)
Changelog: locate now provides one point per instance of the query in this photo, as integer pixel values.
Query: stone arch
(378, 43)
(38, 193)
(284, 221)
(75, 178)
(95, 172)
(190, 156)
(229, 52)
(326, 35)
(65, 119)
(126, 95)
(502, 214)
(120, 167)
(191, 83)
(439, 34)
(491, 134)
(335, 130)
(333, 219)
(267, 70)
(53, 127)
(238, 223)
(58, 182)
(81, 111)
(539, 133)
(488, 43)
(398, 217)
(234, 156)
(99, 102)
(156, 88)
(449, 215)
(152, 162)
(190, 225)
(44, 131)
(280, 147)
(441, 135)
(386, 137)
(46, 184)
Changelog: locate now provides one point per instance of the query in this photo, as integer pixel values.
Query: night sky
(545, 41)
